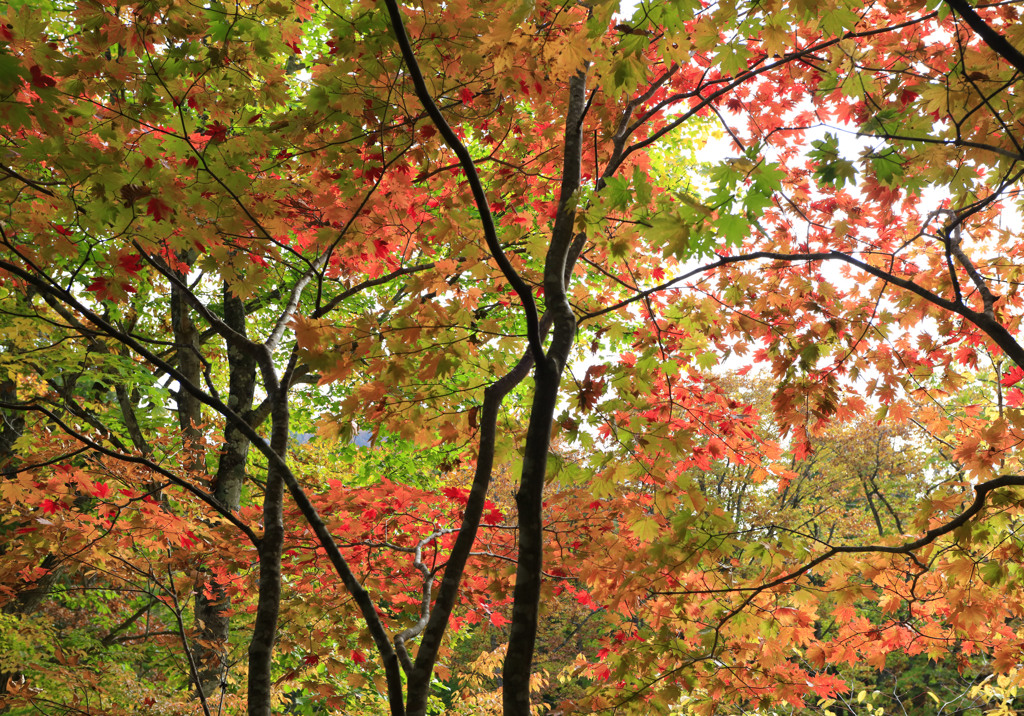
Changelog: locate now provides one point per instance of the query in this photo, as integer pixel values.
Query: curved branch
(729, 85)
(996, 42)
(472, 178)
(908, 548)
(427, 591)
(145, 462)
(995, 330)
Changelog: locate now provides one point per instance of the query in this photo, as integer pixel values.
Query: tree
(234, 227)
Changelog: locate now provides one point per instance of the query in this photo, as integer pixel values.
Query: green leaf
(642, 187)
(669, 231)
(10, 73)
(887, 167)
(618, 193)
(646, 529)
(733, 228)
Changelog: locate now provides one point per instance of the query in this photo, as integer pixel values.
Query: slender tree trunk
(565, 246)
(418, 690)
(190, 417)
(211, 611)
(261, 647)
(529, 502)
(13, 423)
(186, 341)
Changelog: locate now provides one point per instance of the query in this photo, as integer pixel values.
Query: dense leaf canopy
(498, 357)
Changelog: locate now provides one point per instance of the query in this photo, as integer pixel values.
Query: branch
(192, 668)
(563, 232)
(472, 178)
(369, 283)
(729, 85)
(145, 462)
(112, 637)
(995, 330)
(996, 42)
(428, 585)
(908, 548)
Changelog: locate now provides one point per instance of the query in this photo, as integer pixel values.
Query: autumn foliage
(510, 357)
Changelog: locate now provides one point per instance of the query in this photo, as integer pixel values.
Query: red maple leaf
(99, 287)
(41, 80)
(456, 494)
(493, 516)
(132, 263)
(217, 132)
(106, 290)
(1012, 376)
(158, 209)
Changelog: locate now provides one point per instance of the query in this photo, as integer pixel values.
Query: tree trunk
(186, 343)
(13, 423)
(211, 612)
(261, 647)
(561, 254)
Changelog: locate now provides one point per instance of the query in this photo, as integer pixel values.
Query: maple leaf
(39, 79)
(109, 290)
(1012, 376)
(217, 132)
(131, 263)
(493, 516)
(100, 287)
(158, 209)
(456, 494)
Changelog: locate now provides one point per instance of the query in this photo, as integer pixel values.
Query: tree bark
(418, 689)
(211, 612)
(186, 342)
(13, 423)
(261, 646)
(529, 502)
(547, 378)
